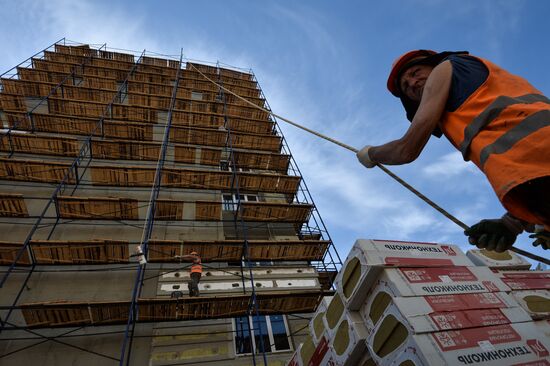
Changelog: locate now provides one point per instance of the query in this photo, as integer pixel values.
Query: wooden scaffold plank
(80, 252)
(34, 144)
(107, 251)
(8, 253)
(34, 171)
(72, 313)
(13, 205)
(97, 208)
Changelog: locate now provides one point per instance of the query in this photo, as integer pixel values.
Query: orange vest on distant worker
(504, 128)
(196, 267)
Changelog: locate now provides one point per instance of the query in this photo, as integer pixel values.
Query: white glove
(363, 156)
(139, 254)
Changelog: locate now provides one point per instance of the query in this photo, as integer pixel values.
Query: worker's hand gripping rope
(542, 238)
(494, 235)
(141, 257)
(364, 158)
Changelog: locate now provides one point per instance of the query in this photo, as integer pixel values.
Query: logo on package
(537, 347)
(447, 249)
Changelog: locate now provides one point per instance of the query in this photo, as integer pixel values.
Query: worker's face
(413, 80)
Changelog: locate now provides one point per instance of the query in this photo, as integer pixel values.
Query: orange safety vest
(196, 267)
(504, 128)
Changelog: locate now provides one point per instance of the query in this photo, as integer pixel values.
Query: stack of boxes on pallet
(530, 289)
(406, 304)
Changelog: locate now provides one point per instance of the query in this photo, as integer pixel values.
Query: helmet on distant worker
(404, 62)
(194, 253)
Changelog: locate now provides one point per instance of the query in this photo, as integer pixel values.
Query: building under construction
(115, 165)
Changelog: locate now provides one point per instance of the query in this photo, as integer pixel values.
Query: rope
(383, 168)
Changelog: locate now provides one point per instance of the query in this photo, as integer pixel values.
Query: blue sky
(324, 64)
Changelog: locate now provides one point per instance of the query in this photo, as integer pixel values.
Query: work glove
(542, 238)
(495, 235)
(363, 156)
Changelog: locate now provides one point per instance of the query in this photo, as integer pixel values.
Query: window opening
(77, 80)
(272, 329)
(226, 166)
(196, 96)
(229, 201)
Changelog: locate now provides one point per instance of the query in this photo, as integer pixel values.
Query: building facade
(114, 167)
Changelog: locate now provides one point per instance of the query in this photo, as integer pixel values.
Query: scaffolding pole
(238, 215)
(148, 228)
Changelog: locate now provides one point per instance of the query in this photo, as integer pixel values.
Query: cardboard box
(535, 302)
(460, 319)
(330, 360)
(317, 324)
(348, 342)
(504, 260)
(307, 349)
(407, 357)
(407, 316)
(470, 311)
(525, 280)
(368, 257)
(322, 353)
(295, 359)
(441, 281)
(496, 345)
(378, 300)
(334, 313)
(543, 326)
(366, 360)
(428, 283)
(509, 344)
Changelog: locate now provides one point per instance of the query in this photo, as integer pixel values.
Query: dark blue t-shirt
(468, 74)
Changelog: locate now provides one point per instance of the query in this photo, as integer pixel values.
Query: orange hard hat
(403, 62)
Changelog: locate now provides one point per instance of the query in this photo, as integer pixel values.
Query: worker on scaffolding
(496, 119)
(195, 273)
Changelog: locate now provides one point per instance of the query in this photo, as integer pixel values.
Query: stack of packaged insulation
(405, 303)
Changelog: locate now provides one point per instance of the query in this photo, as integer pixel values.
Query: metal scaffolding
(310, 228)
(239, 223)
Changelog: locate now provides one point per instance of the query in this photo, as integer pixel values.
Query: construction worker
(496, 119)
(195, 273)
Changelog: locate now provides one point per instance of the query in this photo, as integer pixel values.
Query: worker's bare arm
(188, 257)
(434, 98)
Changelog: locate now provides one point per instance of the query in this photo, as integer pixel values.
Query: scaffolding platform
(72, 313)
(139, 176)
(121, 208)
(80, 252)
(132, 141)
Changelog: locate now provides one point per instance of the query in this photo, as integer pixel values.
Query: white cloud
(113, 25)
(497, 30)
(405, 223)
(448, 166)
(42, 23)
(310, 25)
